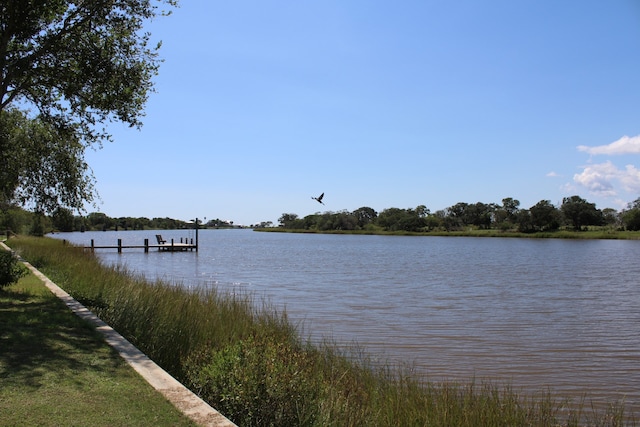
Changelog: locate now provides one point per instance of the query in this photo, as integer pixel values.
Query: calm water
(563, 314)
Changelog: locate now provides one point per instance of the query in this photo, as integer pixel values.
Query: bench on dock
(160, 240)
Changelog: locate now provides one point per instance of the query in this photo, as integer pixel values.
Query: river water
(538, 314)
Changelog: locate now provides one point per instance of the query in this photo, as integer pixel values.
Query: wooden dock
(172, 246)
(162, 245)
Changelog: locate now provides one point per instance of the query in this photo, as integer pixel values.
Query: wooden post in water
(197, 234)
(146, 246)
(92, 245)
(119, 246)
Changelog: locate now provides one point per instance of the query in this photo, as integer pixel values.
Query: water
(536, 313)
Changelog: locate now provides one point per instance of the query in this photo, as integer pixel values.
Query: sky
(260, 105)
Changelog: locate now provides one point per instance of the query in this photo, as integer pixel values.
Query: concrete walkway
(181, 397)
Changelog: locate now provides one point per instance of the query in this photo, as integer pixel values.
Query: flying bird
(319, 198)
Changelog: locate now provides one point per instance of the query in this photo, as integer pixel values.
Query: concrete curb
(180, 396)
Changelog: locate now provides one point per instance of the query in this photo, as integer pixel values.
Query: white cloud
(625, 145)
(552, 174)
(630, 179)
(599, 179)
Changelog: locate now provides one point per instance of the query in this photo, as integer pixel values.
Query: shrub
(10, 270)
(258, 381)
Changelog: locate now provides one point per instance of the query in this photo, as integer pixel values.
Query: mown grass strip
(56, 370)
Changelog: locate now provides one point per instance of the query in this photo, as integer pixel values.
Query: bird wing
(321, 196)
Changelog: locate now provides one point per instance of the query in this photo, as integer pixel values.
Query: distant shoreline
(597, 234)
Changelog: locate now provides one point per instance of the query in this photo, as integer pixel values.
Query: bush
(258, 381)
(10, 270)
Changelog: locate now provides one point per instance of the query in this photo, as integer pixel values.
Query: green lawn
(56, 370)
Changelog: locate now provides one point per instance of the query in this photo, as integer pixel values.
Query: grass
(249, 362)
(56, 370)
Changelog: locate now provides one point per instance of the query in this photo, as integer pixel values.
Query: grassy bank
(55, 370)
(250, 363)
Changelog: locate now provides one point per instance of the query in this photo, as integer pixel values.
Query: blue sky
(262, 104)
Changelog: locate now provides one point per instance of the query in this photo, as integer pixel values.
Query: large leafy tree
(365, 215)
(544, 216)
(395, 219)
(289, 220)
(67, 69)
(43, 165)
(463, 214)
(631, 216)
(580, 213)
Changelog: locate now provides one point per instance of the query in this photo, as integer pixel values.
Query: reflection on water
(540, 313)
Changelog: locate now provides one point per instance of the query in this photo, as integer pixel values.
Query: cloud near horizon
(606, 179)
(625, 145)
(599, 179)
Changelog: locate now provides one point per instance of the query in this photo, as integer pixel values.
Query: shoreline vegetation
(508, 219)
(590, 233)
(249, 362)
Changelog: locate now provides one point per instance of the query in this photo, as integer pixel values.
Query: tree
(480, 214)
(432, 222)
(463, 214)
(422, 211)
(511, 206)
(288, 220)
(338, 221)
(15, 219)
(99, 221)
(63, 219)
(455, 216)
(544, 216)
(67, 68)
(524, 221)
(507, 214)
(631, 216)
(580, 212)
(364, 216)
(42, 165)
(395, 219)
(610, 217)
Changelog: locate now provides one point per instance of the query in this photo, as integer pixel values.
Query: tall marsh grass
(250, 363)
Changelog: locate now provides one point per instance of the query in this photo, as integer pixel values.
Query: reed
(249, 362)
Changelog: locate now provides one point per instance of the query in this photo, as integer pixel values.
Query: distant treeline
(574, 212)
(19, 220)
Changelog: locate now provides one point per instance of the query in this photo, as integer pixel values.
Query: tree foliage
(43, 165)
(10, 268)
(67, 69)
(575, 212)
(631, 216)
(580, 212)
(545, 216)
